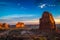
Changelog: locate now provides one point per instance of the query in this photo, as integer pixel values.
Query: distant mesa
(47, 22)
(20, 25)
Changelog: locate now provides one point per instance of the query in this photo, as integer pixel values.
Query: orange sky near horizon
(36, 21)
(57, 21)
(33, 21)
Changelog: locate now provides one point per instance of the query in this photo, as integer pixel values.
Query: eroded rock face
(0, 25)
(19, 25)
(47, 22)
(5, 25)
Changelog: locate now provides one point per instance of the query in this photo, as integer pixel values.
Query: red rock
(5, 25)
(58, 31)
(47, 22)
(0, 25)
(19, 25)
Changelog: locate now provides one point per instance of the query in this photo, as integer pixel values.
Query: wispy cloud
(27, 19)
(13, 19)
(31, 21)
(11, 22)
(16, 16)
(42, 5)
(51, 5)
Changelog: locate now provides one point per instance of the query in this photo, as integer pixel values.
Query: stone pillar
(47, 24)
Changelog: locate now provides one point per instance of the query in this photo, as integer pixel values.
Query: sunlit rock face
(47, 22)
(5, 25)
(0, 25)
(19, 25)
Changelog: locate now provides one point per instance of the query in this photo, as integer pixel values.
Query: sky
(28, 11)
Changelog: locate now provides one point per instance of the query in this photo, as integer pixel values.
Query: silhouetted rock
(47, 23)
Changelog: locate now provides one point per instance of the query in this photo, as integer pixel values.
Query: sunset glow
(35, 21)
(27, 11)
(57, 21)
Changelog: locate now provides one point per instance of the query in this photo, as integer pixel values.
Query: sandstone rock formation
(19, 25)
(47, 22)
(5, 25)
(0, 25)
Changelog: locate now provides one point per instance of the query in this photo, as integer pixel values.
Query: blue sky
(27, 11)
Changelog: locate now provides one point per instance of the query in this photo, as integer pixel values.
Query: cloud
(52, 5)
(31, 21)
(12, 22)
(16, 16)
(13, 19)
(42, 6)
(27, 19)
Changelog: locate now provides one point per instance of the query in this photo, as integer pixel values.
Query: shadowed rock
(47, 23)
